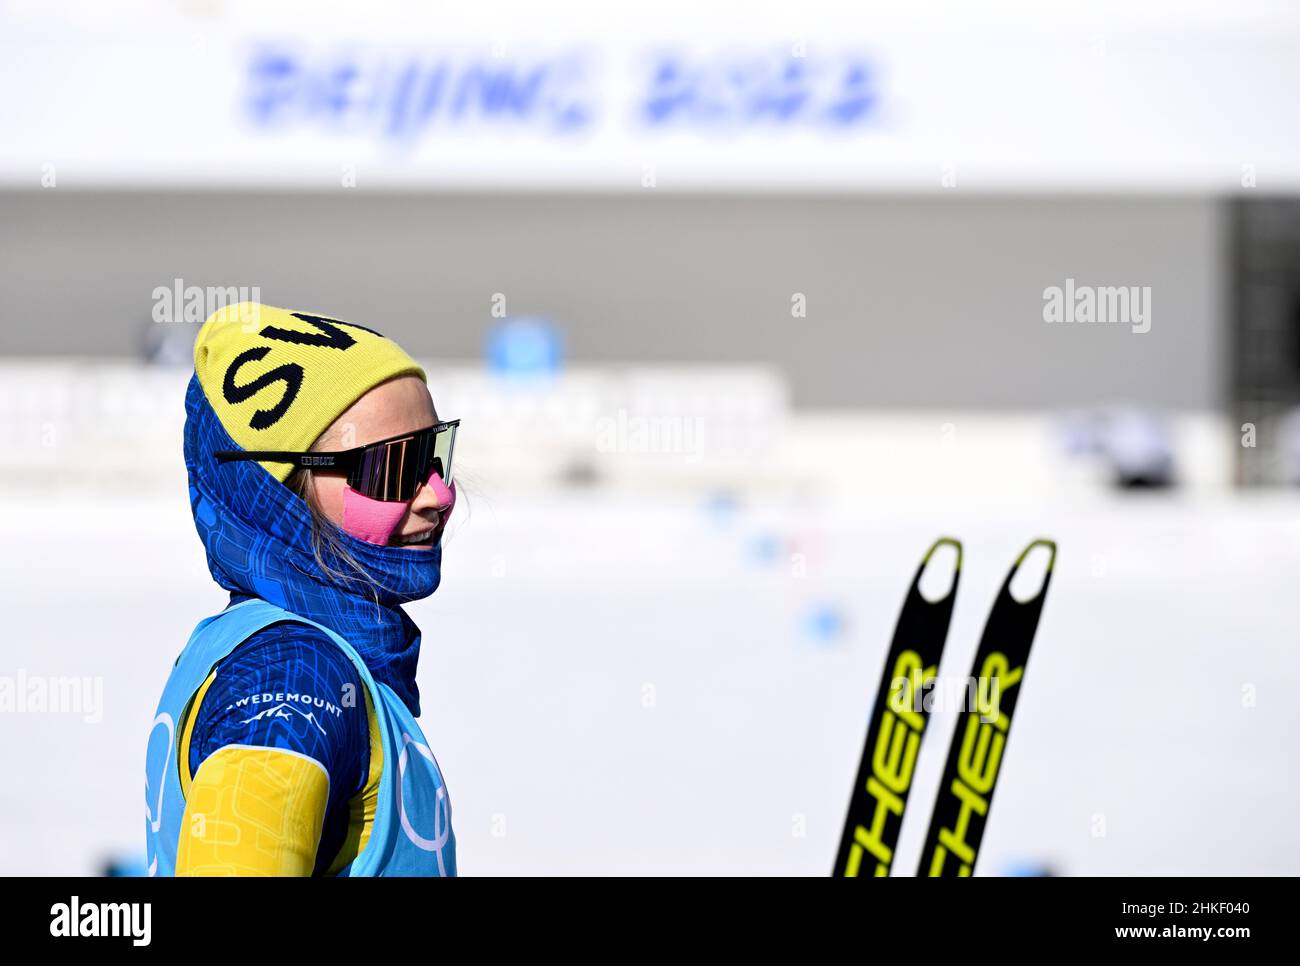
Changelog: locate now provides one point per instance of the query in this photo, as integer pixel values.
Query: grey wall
(933, 299)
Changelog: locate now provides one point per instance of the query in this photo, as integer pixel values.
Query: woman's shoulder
(287, 686)
(290, 643)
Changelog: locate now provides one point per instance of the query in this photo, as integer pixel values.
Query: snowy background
(669, 671)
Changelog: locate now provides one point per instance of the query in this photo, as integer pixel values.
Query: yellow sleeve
(253, 811)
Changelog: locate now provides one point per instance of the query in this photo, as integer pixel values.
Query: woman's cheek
(329, 497)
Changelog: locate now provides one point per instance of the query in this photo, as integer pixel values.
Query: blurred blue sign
(402, 97)
(525, 348)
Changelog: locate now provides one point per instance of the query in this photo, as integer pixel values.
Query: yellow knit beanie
(277, 379)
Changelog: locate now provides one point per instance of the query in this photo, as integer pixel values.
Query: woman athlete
(285, 742)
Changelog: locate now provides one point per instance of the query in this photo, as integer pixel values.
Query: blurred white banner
(1168, 97)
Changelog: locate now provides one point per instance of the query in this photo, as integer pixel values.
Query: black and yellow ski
(895, 728)
(961, 809)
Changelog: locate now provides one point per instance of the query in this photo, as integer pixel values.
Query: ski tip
(1036, 577)
(934, 587)
(1034, 545)
(944, 542)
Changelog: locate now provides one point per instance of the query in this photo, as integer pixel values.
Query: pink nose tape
(372, 520)
(446, 497)
(375, 520)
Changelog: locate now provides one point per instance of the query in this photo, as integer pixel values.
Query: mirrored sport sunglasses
(390, 469)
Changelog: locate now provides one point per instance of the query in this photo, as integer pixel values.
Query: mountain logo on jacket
(283, 710)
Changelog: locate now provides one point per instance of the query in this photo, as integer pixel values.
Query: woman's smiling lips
(418, 539)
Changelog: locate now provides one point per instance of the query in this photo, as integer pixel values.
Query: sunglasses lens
(443, 443)
(393, 470)
(384, 473)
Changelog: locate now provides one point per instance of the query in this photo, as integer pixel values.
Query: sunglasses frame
(343, 461)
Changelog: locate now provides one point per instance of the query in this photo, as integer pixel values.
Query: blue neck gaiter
(257, 533)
